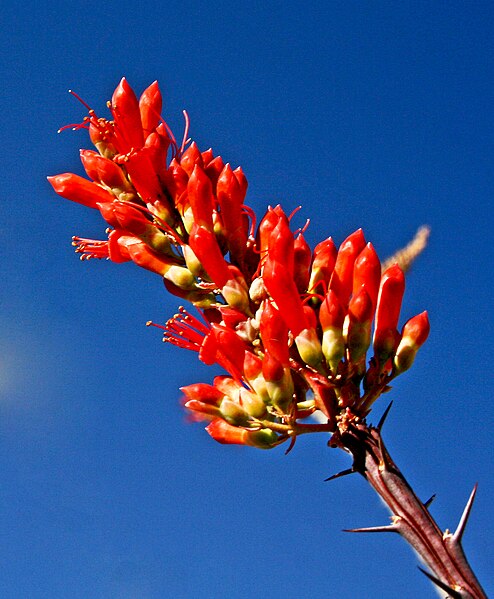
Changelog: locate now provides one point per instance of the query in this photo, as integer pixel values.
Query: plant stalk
(441, 552)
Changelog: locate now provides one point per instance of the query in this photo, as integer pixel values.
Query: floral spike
(290, 326)
(186, 220)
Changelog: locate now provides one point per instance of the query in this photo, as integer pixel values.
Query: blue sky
(369, 114)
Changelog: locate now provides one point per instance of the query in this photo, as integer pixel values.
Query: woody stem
(441, 552)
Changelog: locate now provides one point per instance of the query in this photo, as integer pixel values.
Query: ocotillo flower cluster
(298, 331)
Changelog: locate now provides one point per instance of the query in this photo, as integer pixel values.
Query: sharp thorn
(452, 594)
(384, 416)
(340, 474)
(429, 501)
(388, 528)
(464, 517)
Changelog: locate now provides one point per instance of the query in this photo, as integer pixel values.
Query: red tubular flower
(133, 220)
(80, 190)
(200, 194)
(342, 278)
(104, 171)
(224, 347)
(367, 273)
(150, 104)
(117, 252)
(127, 118)
(145, 257)
(144, 178)
(205, 246)
(274, 333)
(226, 433)
(282, 289)
(203, 399)
(278, 273)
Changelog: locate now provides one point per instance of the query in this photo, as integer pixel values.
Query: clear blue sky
(371, 114)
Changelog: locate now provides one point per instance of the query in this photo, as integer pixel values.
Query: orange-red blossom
(298, 331)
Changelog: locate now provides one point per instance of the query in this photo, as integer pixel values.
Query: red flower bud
(281, 245)
(322, 265)
(417, 329)
(331, 312)
(331, 317)
(150, 104)
(157, 148)
(190, 158)
(242, 180)
(268, 223)
(230, 199)
(389, 299)
(367, 273)
(360, 308)
(358, 333)
(413, 336)
(214, 169)
(342, 279)
(127, 117)
(227, 434)
(279, 383)
(176, 184)
(207, 156)
(302, 259)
